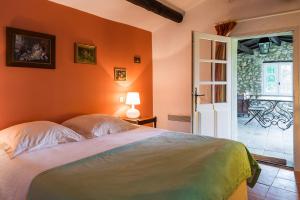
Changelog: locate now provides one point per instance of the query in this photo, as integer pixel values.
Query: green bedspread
(171, 166)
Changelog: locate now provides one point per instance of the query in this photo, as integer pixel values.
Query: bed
(137, 164)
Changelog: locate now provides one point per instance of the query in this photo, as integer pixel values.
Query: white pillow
(35, 135)
(95, 125)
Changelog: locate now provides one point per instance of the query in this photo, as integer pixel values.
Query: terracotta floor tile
(266, 179)
(287, 174)
(258, 192)
(268, 174)
(279, 194)
(269, 169)
(285, 184)
(253, 196)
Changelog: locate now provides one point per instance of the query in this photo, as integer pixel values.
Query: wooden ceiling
(249, 45)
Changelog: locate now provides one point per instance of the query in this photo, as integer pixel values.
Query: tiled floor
(276, 184)
(270, 141)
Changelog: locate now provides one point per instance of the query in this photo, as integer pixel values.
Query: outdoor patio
(270, 141)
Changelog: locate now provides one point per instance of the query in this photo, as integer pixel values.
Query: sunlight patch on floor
(270, 141)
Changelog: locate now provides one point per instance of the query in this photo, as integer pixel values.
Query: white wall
(172, 51)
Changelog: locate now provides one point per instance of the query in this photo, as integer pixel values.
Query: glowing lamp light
(133, 98)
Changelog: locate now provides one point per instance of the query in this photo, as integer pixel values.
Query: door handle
(195, 98)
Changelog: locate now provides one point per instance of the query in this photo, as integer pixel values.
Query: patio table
(272, 110)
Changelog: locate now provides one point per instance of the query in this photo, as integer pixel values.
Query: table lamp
(133, 98)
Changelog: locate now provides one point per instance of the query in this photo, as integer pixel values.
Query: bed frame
(240, 193)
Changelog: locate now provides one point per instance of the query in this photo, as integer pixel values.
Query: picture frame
(29, 49)
(85, 54)
(137, 59)
(120, 74)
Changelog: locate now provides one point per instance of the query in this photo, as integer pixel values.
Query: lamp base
(133, 113)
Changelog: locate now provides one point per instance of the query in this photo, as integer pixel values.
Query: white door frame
(296, 71)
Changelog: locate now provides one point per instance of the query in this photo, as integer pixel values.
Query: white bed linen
(16, 174)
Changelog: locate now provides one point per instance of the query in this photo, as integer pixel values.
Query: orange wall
(71, 89)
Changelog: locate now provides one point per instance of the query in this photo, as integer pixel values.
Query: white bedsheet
(16, 174)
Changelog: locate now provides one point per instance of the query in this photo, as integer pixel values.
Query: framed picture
(120, 74)
(29, 49)
(85, 54)
(137, 59)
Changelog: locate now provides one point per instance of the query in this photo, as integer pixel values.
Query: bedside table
(142, 120)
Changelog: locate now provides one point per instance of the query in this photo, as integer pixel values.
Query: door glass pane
(205, 71)
(220, 51)
(220, 72)
(205, 49)
(270, 79)
(205, 90)
(220, 93)
(286, 79)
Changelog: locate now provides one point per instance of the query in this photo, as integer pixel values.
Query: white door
(211, 85)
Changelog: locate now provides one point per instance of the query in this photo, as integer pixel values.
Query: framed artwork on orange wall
(85, 54)
(120, 74)
(29, 49)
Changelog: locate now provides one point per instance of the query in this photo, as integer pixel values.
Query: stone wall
(249, 71)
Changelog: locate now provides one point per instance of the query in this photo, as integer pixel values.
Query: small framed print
(137, 59)
(120, 74)
(85, 54)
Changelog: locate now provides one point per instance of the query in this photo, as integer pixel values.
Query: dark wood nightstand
(142, 120)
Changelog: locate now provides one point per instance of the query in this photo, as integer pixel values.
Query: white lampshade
(133, 98)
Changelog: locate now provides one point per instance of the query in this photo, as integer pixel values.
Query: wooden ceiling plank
(289, 40)
(249, 42)
(245, 49)
(276, 40)
(253, 46)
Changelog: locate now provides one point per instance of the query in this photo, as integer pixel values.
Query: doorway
(265, 99)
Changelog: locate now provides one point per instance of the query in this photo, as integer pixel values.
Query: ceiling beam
(160, 9)
(276, 40)
(286, 36)
(253, 46)
(289, 40)
(249, 41)
(245, 49)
